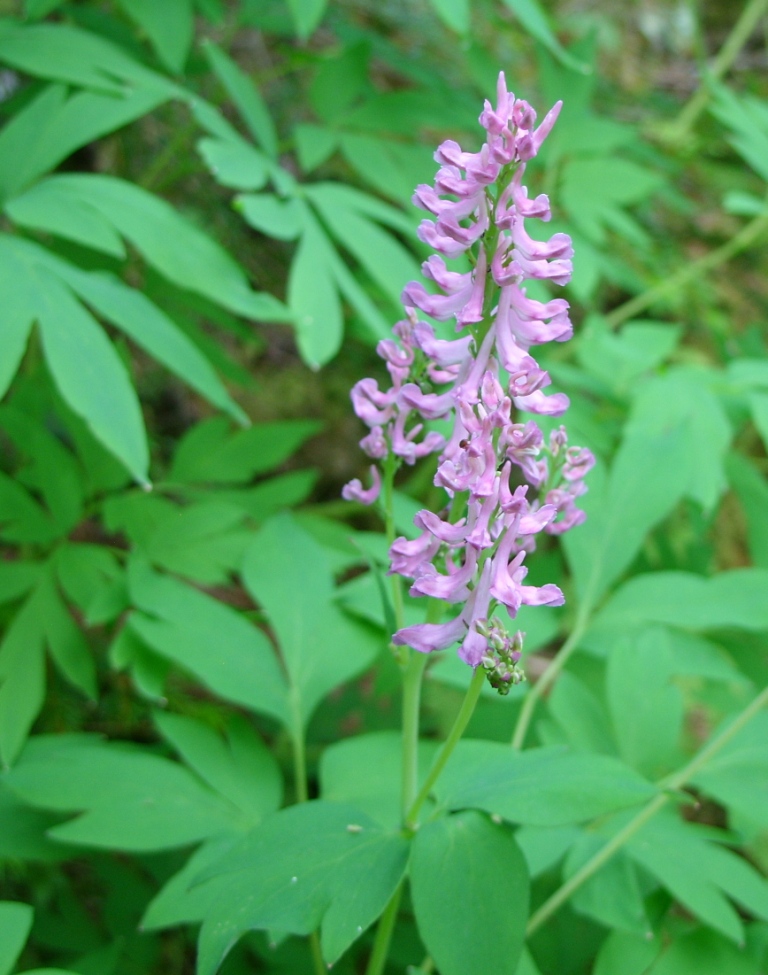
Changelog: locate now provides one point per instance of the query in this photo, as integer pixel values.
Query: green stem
(170, 153)
(317, 955)
(679, 129)
(746, 236)
(300, 767)
(459, 726)
(671, 784)
(549, 675)
(378, 958)
(302, 795)
(411, 708)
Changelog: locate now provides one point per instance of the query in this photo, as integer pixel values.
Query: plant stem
(170, 153)
(671, 783)
(302, 795)
(679, 130)
(411, 708)
(300, 767)
(549, 675)
(746, 236)
(459, 726)
(561, 895)
(378, 958)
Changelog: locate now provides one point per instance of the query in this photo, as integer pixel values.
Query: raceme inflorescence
(505, 481)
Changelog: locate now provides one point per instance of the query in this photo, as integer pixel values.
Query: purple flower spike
(473, 553)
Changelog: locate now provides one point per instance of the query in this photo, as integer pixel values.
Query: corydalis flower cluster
(505, 481)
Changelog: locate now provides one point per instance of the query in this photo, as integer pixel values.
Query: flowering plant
(506, 482)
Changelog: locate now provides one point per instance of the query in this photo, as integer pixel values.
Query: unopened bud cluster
(502, 655)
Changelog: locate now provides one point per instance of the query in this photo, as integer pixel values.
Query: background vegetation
(205, 230)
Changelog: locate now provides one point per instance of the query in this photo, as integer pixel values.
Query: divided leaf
(128, 798)
(540, 786)
(470, 891)
(208, 639)
(290, 576)
(317, 864)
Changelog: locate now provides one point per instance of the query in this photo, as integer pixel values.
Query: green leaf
(169, 26)
(738, 775)
(314, 864)
(702, 951)
(541, 786)
(51, 469)
(172, 244)
(595, 191)
(699, 873)
(758, 403)
(275, 494)
(203, 541)
(85, 572)
(621, 510)
(677, 421)
(752, 492)
(22, 678)
(383, 258)
(267, 213)
(181, 900)
(246, 97)
(77, 57)
(392, 167)
(366, 772)
(646, 708)
(469, 885)
(684, 395)
(90, 376)
(22, 519)
(580, 715)
(148, 669)
(24, 832)
(312, 296)
(534, 20)
(15, 924)
(17, 315)
(150, 328)
(51, 207)
(612, 896)
(211, 454)
(314, 144)
(36, 9)
(745, 116)
(128, 799)
(729, 599)
(65, 640)
(183, 625)
(545, 846)
(454, 14)
(50, 128)
(242, 769)
(289, 575)
(17, 578)
(306, 15)
(234, 163)
(621, 358)
(626, 953)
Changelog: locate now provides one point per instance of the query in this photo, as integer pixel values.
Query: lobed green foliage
(198, 702)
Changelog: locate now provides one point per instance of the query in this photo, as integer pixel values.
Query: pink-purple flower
(505, 481)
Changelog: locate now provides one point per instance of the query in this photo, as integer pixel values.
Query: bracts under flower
(506, 483)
